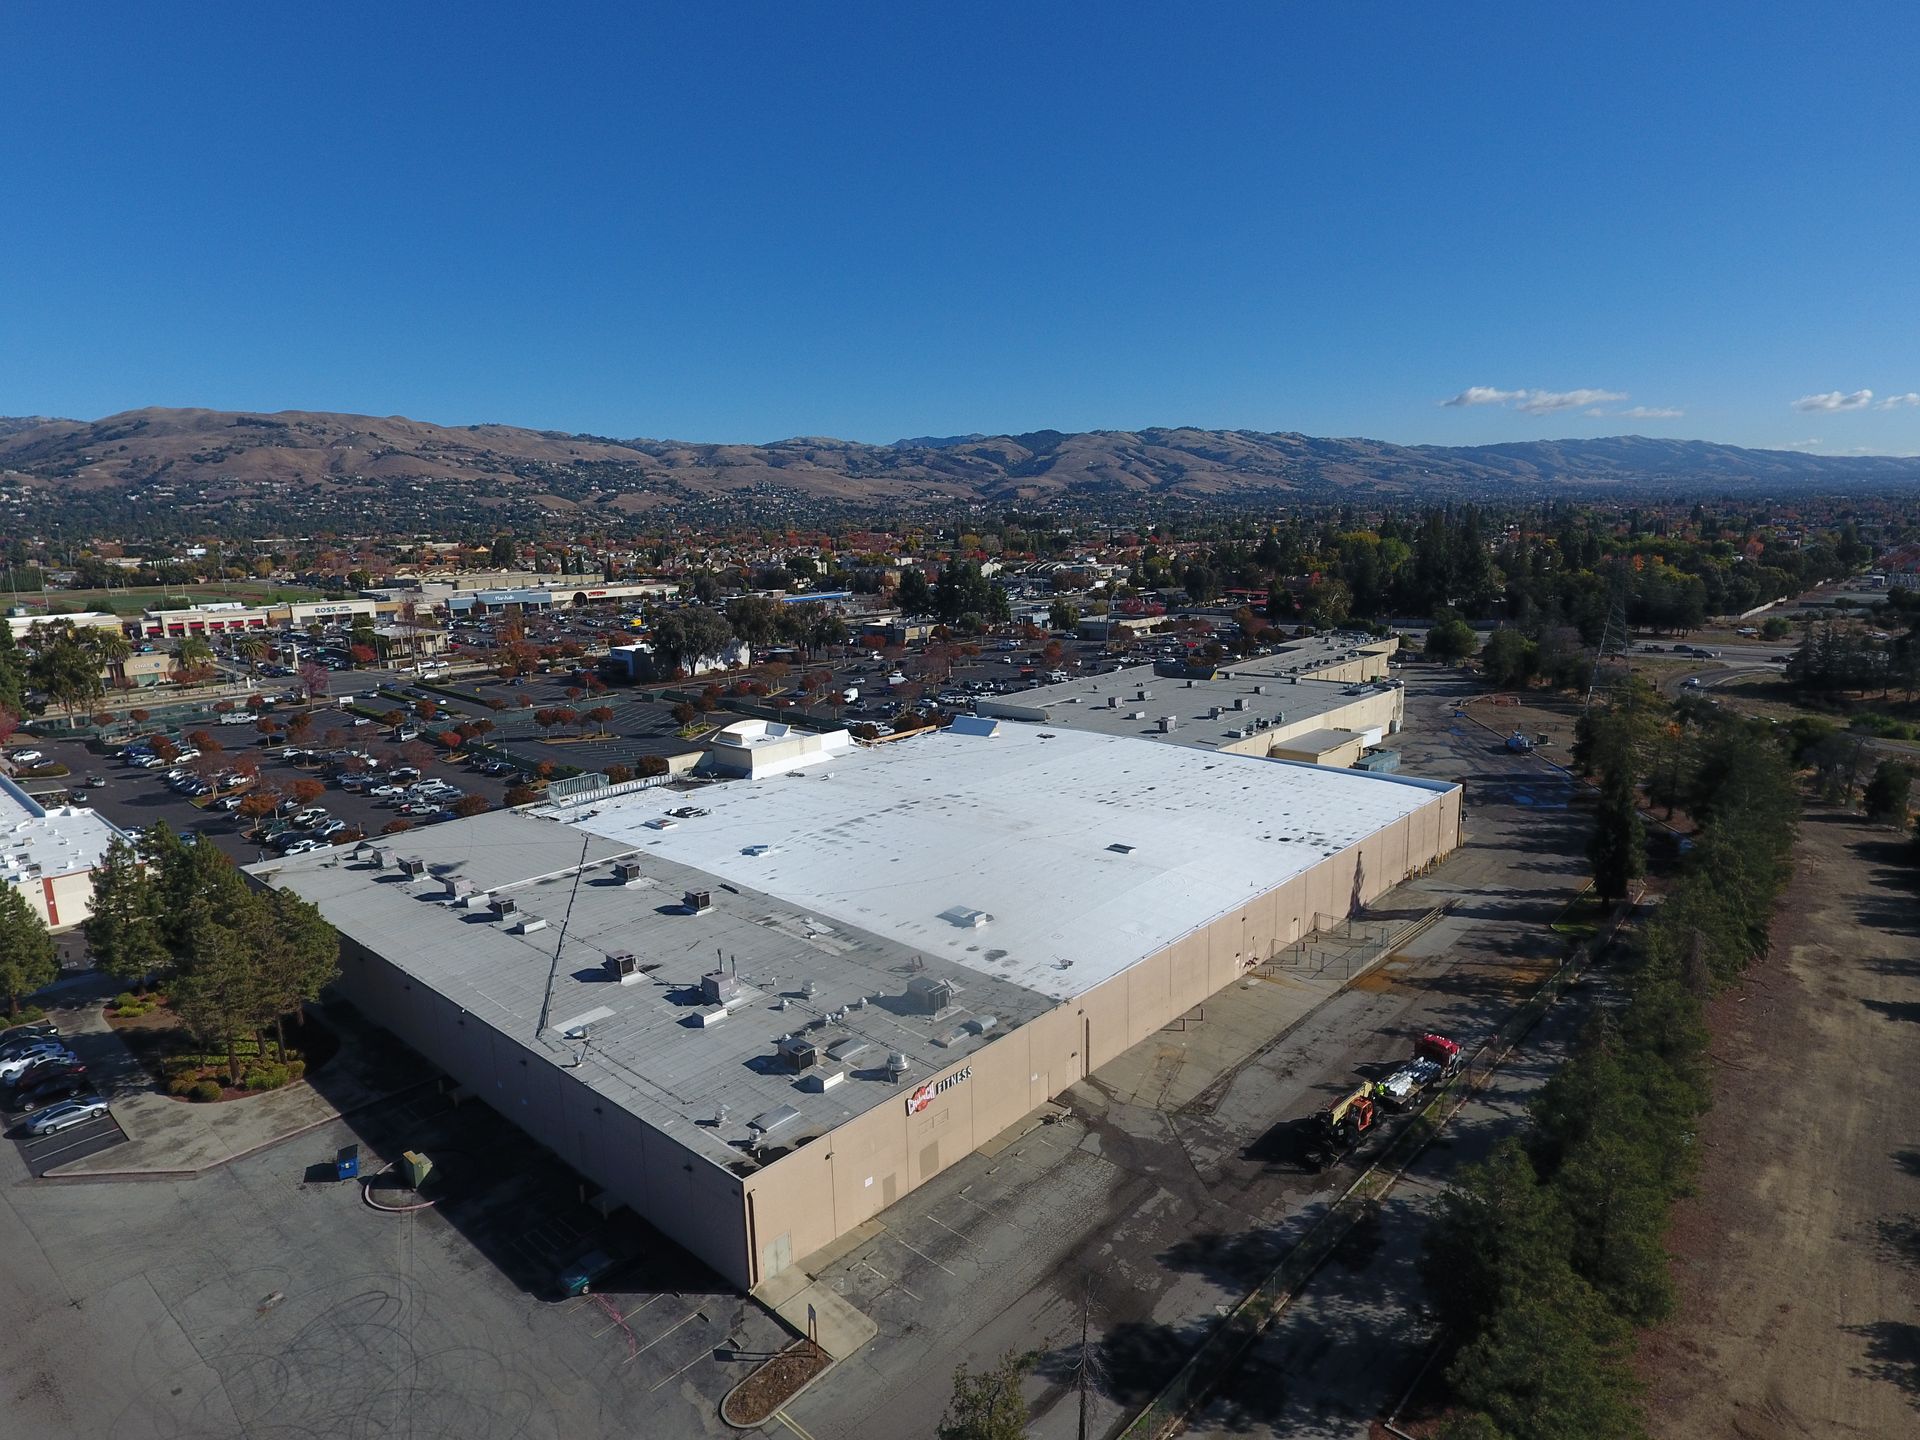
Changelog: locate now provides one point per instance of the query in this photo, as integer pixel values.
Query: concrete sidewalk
(168, 1137)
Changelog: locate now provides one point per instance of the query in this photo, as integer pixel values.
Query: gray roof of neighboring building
(648, 1054)
(1110, 704)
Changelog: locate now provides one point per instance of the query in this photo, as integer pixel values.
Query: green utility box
(414, 1169)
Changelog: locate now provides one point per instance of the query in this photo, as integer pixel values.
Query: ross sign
(923, 1097)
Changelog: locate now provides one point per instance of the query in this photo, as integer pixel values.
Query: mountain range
(186, 468)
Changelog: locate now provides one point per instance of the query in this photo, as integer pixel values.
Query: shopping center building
(760, 1010)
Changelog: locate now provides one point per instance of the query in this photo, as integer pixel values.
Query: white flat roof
(1085, 852)
(39, 843)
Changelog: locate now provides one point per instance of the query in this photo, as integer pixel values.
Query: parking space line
(951, 1231)
(791, 1424)
(678, 1373)
(619, 1319)
(923, 1255)
(38, 1155)
(696, 1315)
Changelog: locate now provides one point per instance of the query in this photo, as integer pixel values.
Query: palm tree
(192, 656)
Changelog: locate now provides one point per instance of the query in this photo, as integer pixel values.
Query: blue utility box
(346, 1164)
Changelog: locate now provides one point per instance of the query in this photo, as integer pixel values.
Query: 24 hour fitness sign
(923, 1097)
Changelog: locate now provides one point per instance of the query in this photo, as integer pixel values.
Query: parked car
(27, 757)
(12, 1068)
(308, 818)
(27, 1030)
(66, 1115)
(51, 1090)
(327, 829)
(302, 844)
(44, 1070)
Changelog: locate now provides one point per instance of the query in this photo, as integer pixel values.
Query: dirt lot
(1798, 1263)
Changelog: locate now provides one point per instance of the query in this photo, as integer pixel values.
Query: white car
(27, 757)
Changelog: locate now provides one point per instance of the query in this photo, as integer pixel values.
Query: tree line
(235, 958)
(1545, 1261)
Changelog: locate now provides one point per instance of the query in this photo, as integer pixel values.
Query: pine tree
(26, 949)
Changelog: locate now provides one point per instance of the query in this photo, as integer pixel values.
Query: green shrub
(181, 1085)
(296, 1069)
(28, 1014)
(204, 1091)
(266, 1077)
(125, 1000)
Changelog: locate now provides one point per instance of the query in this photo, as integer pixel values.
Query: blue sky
(739, 222)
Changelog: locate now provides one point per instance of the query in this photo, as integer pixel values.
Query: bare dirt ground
(1798, 1262)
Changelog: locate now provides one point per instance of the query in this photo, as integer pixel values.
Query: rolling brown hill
(184, 468)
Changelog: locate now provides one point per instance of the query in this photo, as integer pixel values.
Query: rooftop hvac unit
(1213, 712)
(1168, 723)
(456, 888)
(929, 994)
(1239, 702)
(797, 1053)
(627, 872)
(1189, 684)
(502, 906)
(697, 902)
(822, 1078)
(1113, 702)
(848, 1050)
(1259, 689)
(1136, 714)
(898, 1065)
(413, 867)
(382, 857)
(718, 987)
(622, 968)
(530, 923)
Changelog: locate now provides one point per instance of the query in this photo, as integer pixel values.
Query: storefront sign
(923, 1097)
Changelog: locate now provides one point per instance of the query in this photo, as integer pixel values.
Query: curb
(91, 1177)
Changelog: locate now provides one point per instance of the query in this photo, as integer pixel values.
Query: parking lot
(134, 798)
(265, 1297)
(43, 1153)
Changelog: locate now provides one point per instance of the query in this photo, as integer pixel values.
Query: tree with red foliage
(313, 678)
(396, 827)
(427, 709)
(307, 790)
(468, 806)
(361, 654)
(139, 717)
(601, 716)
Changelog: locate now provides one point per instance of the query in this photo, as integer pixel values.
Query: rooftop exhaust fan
(622, 968)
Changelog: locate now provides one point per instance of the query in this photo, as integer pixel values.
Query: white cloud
(1653, 412)
(1484, 395)
(1835, 400)
(1896, 402)
(1813, 444)
(1534, 402)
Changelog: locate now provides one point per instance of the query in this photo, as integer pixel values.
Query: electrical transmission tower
(1615, 633)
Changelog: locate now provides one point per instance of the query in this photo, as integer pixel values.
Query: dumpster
(346, 1164)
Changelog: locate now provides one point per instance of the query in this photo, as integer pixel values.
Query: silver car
(66, 1115)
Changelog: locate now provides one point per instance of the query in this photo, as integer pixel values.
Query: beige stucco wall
(808, 1199)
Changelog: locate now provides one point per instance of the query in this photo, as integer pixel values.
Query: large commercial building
(761, 1010)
